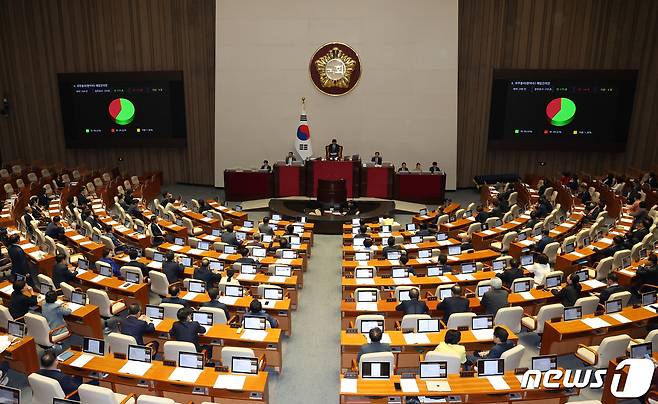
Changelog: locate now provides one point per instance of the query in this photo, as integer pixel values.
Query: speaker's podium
(348, 170)
(289, 179)
(332, 193)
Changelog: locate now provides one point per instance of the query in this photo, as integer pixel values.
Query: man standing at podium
(333, 150)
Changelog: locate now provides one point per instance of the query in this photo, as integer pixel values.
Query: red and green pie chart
(122, 111)
(560, 111)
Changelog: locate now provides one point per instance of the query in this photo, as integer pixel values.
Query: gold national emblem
(335, 69)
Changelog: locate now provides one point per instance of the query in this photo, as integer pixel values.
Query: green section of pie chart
(565, 114)
(127, 113)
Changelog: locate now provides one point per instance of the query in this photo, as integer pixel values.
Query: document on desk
(156, 322)
(465, 277)
(190, 295)
(409, 385)
(223, 256)
(394, 262)
(410, 246)
(136, 368)
(402, 281)
(277, 279)
(498, 382)
(526, 295)
(247, 277)
(254, 335)
(230, 382)
(595, 322)
(80, 271)
(444, 243)
(77, 237)
(488, 232)
(74, 306)
(176, 247)
(483, 335)
(620, 318)
(445, 279)
(284, 261)
(229, 300)
(424, 261)
(606, 240)
(593, 283)
(97, 278)
(155, 265)
(348, 385)
(453, 258)
(437, 385)
(86, 242)
(26, 246)
(362, 263)
(186, 375)
(4, 343)
(577, 254)
(359, 281)
(366, 306)
(82, 360)
(195, 251)
(37, 255)
(8, 290)
(416, 338)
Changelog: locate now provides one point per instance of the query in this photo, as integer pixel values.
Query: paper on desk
(627, 272)
(37, 255)
(526, 295)
(229, 300)
(190, 295)
(516, 222)
(498, 382)
(186, 375)
(394, 262)
(593, 283)
(195, 251)
(176, 247)
(284, 261)
(74, 306)
(359, 281)
(362, 263)
(437, 385)
(248, 277)
(87, 242)
(8, 290)
(155, 264)
(453, 258)
(577, 254)
(606, 240)
(424, 261)
(4, 343)
(156, 321)
(277, 279)
(416, 338)
(77, 237)
(97, 278)
(386, 339)
(595, 322)
(444, 243)
(410, 246)
(135, 368)
(444, 278)
(620, 318)
(402, 281)
(82, 360)
(254, 335)
(465, 277)
(483, 335)
(488, 232)
(26, 246)
(409, 385)
(347, 385)
(230, 382)
(80, 271)
(366, 306)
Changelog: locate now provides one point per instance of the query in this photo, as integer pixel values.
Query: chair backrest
(567, 240)
(357, 290)
(508, 217)
(144, 399)
(588, 303)
(611, 348)
(228, 352)
(66, 290)
(399, 289)
(44, 389)
(635, 251)
(159, 283)
(511, 199)
(99, 298)
(37, 327)
(119, 342)
(218, 315)
(625, 297)
(491, 222)
(457, 320)
(262, 286)
(5, 317)
(507, 239)
(378, 357)
(108, 243)
(127, 268)
(581, 236)
(546, 313)
(95, 394)
(367, 317)
(171, 309)
(551, 251)
(603, 268)
(173, 348)
(474, 228)
(410, 321)
(442, 219)
(513, 357)
(619, 257)
(32, 177)
(4, 173)
(652, 337)
(452, 358)
(187, 223)
(47, 280)
(510, 317)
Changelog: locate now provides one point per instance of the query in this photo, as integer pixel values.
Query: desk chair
(510, 317)
(599, 356)
(555, 273)
(513, 357)
(442, 219)
(4, 173)
(262, 286)
(472, 228)
(399, 289)
(459, 213)
(159, 283)
(625, 297)
(66, 290)
(451, 358)
(551, 251)
(410, 321)
(44, 389)
(635, 251)
(340, 153)
(491, 222)
(107, 307)
(191, 229)
(366, 317)
(133, 270)
(457, 320)
(5, 317)
(171, 309)
(173, 348)
(218, 315)
(37, 327)
(119, 342)
(652, 337)
(144, 399)
(588, 303)
(515, 210)
(619, 257)
(437, 292)
(90, 394)
(357, 290)
(508, 217)
(547, 312)
(602, 269)
(503, 246)
(228, 352)
(580, 236)
(378, 357)
(47, 280)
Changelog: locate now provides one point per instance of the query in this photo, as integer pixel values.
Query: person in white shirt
(539, 269)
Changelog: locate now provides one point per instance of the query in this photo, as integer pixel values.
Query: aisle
(311, 357)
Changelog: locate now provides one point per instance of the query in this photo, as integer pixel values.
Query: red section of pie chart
(553, 107)
(115, 108)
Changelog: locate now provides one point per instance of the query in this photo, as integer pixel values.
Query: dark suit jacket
(28, 219)
(217, 305)
(386, 249)
(176, 300)
(230, 238)
(454, 304)
(19, 264)
(605, 293)
(20, 304)
(543, 243)
(568, 295)
(412, 307)
(509, 275)
(145, 270)
(266, 316)
(68, 383)
(290, 160)
(188, 332)
(424, 233)
(156, 231)
(136, 328)
(482, 217)
(61, 274)
(372, 347)
(377, 160)
(498, 349)
(494, 300)
(54, 231)
(173, 271)
(206, 275)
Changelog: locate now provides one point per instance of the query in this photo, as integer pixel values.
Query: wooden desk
(22, 355)
(432, 215)
(126, 234)
(135, 293)
(156, 382)
(483, 239)
(244, 185)
(426, 283)
(456, 227)
(419, 187)
(237, 218)
(93, 251)
(199, 219)
(563, 337)
(607, 397)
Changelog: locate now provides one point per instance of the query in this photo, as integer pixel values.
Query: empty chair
(191, 229)
(442, 219)
(491, 222)
(118, 343)
(159, 283)
(652, 337)
(580, 238)
(515, 210)
(32, 177)
(132, 270)
(512, 198)
(173, 348)
(452, 358)
(5, 317)
(410, 321)
(503, 246)
(512, 357)
(144, 399)
(359, 290)
(600, 356)
(510, 317)
(472, 228)
(171, 309)
(508, 217)
(228, 352)
(551, 250)
(107, 307)
(44, 389)
(37, 327)
(219, 315)
(548, 312)
(566, 241)
(618, 258)
(45, 279)
(377, 357)
(602, 269)
(588, 304)
(635, 251)
(624, 296)
(9, 190)
(457, 320)
(66, 290)
(4, 173)
(90, 394)
(367, 317)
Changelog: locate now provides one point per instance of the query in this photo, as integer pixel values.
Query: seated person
(495, 298)
(443, 264)
(49, 368)
(116, 268)
(500, 346)
(118, 245)
(229, 278)
(22, 299)
(173, 270)
(157, 234)
(229, 236)
(434, 169)
(375, 344)
(413, 305)
(185, 329)
(213, 293)
(419, 168)
(451, 344)
(266, 166)
(618, 244)
(390, 246)
(454, 304)
(404, 260)
(377, 159)
(61, 272)
(367, 243)
(133, 254)
(55, 229)
(570, 293)
(136, 324)
(256, 309)
(511, 273)
(264, 228)
(245, 258)
(539, 269)
(403, 168)
(54, 312)
(173, 297)
(204, 273)
(423, 230)
(646, 274)
(363, 230)
(333, 150)
(481, 215)
(612, 287)
(290, 158)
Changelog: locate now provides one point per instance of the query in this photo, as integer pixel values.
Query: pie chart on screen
(560, 111)
(122, 111)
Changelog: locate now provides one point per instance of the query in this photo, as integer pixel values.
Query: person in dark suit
(413, 305)
(290, 158)
(21, 299)
(377, 159)
(610, 180)
(333, 150)
(266, 166)
(203, 205)
(167, 198)
(423, 231)
(639, 230)
(61, 272)
(18, 257)
(495, 298)
(55, 230)
(49, 368)
(28, 216)
(185, 329)
(646, 274)
(229, 236)
(500, 346)
(136, 324)
(403, 168)
(134, 263)
(545, 240)
(570, 293)
(116, 269)
(404, 259)
(652, 180)
(204, 273)
(173, 297)
(612, 287)
(375, 344)
(584, 195)
(453, 304)
(514, 271)
(618, 244)
(213, 293)
(543, 207)
(256, 309)
(173, 270)
(481, 215)
(246, 259)
(92, 219)
(264, 228)
(390, 246)
(156, 231)
(443, 264)
(363, 232)
(434, 169)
